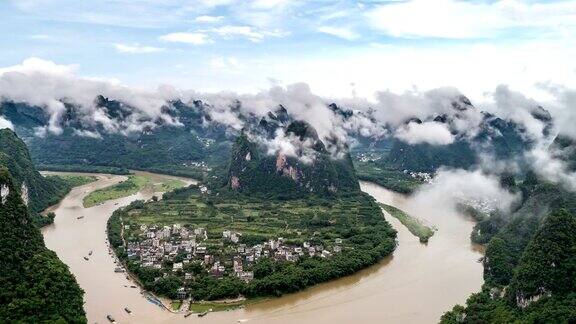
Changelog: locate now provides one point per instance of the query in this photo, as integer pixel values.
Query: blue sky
(338, 47)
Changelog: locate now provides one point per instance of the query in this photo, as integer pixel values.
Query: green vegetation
(128, 187)
(353, 218)
(530, 260)
(77, 180)
(387, 177)
(35, 287)
(83, 168)
(176, 304)
(217, 307)
(414, 225)
(41, 192)
(253, 171)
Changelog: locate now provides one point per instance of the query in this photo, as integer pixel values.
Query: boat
(118, 269)
(133, 286)
(79, 217)
(90, 253)
(203, 314)
(86, 258)
(187, 314)
(154, 300)
(127, 310)
(110, 318)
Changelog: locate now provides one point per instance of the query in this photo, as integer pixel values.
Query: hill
(312, 169)
(35, 286)
(156, 146)
(530, 256)
(37, 191)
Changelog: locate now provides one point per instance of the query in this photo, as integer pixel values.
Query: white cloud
(547, 165)
(208, 19)
(341, 32)
(4, 123)
(194, 38)
(428, 132)
(48, 85)
(451, 187)
(137, 49)
(466, 19)
(252, 34)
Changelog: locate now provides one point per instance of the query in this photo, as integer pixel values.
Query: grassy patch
(128, 187)
(414, 225)
(214, 307)
(176, 304)
(76, 180)
(392, 179)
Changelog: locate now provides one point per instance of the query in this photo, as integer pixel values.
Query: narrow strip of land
(414, 225)
(130, 186)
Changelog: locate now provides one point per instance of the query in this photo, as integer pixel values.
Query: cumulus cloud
(427, 132)
(4, 123)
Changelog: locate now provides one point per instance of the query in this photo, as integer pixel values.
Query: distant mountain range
(196, 143)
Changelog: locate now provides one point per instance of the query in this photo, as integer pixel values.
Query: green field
(351, 226)
(77, 180)
(414, 225)
(392, 179)
(128, 187)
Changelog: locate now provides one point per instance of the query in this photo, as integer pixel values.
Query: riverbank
(387, 292)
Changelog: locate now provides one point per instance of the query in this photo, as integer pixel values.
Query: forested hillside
(530, 261)
(38, 192)
(160, 146)
(312, 171)
(35, 287)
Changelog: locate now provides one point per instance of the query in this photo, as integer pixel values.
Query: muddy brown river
(415, 285)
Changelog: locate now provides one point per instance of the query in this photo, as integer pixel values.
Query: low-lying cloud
(4, 123)
(428, 132)
(52, 86)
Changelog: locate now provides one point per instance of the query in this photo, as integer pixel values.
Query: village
(161, 246)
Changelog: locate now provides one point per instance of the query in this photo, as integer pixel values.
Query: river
(415, 285)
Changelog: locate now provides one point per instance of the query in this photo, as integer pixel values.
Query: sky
(340, 48)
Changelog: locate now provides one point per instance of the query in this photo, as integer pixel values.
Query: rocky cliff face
(307, 168)
(35, 190)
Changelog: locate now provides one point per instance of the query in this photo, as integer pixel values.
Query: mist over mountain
(416, 131)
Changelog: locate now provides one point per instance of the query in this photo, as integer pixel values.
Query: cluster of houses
(422, 176)
(368, 156)
(179, 245)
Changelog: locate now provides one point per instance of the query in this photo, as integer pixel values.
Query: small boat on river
(127, 310)
(79, 217)
(86, 258)
(203, 314)
(110, 318)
